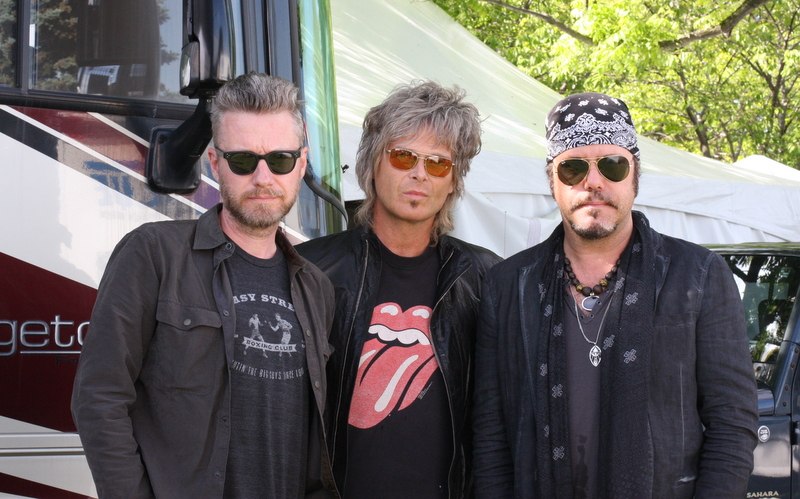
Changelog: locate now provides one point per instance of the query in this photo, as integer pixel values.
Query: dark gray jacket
(152, 394)
(702, 395)
(352, 261)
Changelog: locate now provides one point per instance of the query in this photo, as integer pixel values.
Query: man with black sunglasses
(407, 298)
(203, 373)
(612, 361)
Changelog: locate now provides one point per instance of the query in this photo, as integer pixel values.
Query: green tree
(719, 78)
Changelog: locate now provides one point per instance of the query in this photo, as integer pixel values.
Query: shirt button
(226, 313)
(187, 322)
(316, 384)
(225, 418)
(228, 246)
(217, 474)
(308, 333)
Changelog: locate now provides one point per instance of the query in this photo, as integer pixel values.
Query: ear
(214, 160)
(302, 162)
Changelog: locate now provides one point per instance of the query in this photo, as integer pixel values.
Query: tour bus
(104, 126)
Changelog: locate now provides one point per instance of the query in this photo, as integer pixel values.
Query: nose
(419, 170)
(262, 175)
(594, 179)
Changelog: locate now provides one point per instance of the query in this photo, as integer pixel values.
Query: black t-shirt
(399, 431)
(583, 392)
(269, 383)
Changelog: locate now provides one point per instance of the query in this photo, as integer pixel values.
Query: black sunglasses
(246, 162)
(404, 159)
(573, 171)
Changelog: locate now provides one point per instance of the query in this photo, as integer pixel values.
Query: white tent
(381, 43)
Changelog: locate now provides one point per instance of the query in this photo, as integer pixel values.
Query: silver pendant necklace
(595, 354)
(590, 293)
(589, 302)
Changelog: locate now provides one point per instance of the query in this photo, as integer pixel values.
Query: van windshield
(768, 285)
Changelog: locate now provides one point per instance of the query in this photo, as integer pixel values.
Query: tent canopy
(508, 206)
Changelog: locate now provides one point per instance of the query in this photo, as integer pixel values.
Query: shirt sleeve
(494, 469)
(122, 323)
(727, 398)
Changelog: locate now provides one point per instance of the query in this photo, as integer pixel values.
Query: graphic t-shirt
(399, 432)
(269, 383)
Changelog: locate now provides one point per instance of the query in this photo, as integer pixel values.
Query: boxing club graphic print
(395, 366)
(267, 343)
(270, 338)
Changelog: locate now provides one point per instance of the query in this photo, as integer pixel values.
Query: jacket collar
(208, 234)
(445, 246)
(295, 260)
(451, 262)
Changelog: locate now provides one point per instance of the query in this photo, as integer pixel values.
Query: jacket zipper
(444, 378)
(347, 350)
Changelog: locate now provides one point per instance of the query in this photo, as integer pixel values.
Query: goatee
(260, 216)
(595, 230)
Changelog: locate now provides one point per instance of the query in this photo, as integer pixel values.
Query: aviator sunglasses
(573, 171)
(246, 162)
(403, 159)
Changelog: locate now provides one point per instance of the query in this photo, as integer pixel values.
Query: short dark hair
(257, 93)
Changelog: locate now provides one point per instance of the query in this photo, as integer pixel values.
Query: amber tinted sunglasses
(403, 159)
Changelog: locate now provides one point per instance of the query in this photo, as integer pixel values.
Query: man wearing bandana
(407, 298)
(611, 360)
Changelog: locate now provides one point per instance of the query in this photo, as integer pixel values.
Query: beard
(594, 229)
(260, 216)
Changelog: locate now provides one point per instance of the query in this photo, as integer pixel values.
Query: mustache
(266, 191)
(592, 197)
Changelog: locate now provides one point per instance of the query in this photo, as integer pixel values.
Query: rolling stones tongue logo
(396, 363)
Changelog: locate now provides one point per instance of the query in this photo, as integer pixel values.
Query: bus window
(115, 48)
(8, 42)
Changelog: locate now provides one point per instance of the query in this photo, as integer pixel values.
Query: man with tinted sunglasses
(203, 374)
(400, 376)
(612, 361)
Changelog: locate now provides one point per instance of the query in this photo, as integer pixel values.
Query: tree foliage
(715, 77)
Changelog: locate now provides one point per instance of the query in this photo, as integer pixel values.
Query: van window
(768, 286)
(8, 42)
(114, 48)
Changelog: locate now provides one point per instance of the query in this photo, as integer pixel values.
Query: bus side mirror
(207, 55)
(173, 162)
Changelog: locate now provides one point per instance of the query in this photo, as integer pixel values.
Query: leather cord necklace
(590, 293)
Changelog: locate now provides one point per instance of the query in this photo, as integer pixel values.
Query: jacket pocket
(187, 351)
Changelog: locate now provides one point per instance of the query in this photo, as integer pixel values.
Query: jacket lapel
(529, 321)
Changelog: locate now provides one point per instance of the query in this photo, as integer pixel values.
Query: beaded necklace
(590, 294)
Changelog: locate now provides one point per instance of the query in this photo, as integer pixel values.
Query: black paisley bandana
(589, 119)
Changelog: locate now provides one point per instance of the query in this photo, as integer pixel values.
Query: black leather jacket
(351, 259)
